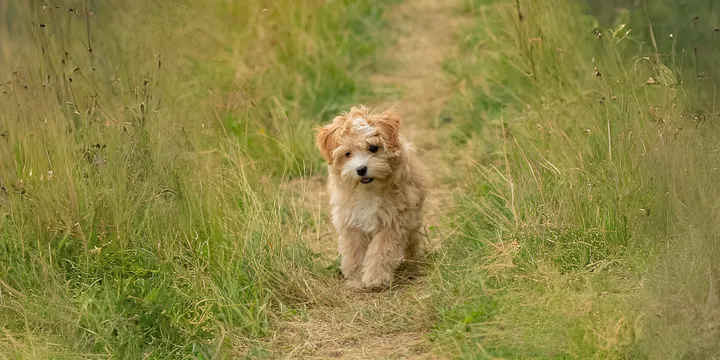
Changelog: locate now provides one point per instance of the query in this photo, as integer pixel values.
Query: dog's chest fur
(362, 210)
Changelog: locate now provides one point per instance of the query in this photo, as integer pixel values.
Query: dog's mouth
(366, 180)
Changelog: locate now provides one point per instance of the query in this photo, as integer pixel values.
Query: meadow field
(161, 196)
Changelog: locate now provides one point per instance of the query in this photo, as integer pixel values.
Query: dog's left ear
(326, 138)
(388, 126)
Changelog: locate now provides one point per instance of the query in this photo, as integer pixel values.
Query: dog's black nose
(361, 170)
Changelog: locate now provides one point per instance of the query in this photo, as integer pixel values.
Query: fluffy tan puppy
(376, 194)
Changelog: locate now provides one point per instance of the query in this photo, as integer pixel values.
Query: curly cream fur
(378, 223)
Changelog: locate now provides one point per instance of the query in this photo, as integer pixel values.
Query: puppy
(377, 193)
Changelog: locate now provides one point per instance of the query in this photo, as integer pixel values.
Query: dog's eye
(373, 148)
(347, 154)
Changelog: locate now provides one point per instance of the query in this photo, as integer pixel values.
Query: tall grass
(141, 151)
(589, 220)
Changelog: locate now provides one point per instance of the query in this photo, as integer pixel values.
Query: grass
(586, 227)
(146, 150)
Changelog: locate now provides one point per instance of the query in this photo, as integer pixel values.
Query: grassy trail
(352, 324)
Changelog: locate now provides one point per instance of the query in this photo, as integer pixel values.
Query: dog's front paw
(354, 283)
(376, 280)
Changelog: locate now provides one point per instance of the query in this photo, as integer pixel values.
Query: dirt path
(346, 323)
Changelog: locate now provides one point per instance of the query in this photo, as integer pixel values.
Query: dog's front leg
(383, 256)
(351, 246)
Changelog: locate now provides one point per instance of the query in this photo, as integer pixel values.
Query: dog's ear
(388, 126)
(326, 138)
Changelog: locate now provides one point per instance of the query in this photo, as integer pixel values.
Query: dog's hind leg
(414, 246)
(413, 251)
(383, 256)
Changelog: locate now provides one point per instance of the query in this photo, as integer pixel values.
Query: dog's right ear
(388, 126)
(326, 138)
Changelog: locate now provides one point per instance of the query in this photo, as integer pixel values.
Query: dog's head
(361, 147)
